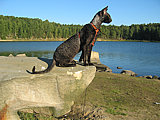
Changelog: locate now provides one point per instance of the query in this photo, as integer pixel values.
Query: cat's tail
(44, 71)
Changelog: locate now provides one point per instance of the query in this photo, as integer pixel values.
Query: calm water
(140, 57)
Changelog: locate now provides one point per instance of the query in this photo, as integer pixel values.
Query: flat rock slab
(55, 90)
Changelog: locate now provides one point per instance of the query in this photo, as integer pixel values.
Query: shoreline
(34, 40)
(63, 39)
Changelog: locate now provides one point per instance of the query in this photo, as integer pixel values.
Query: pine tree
(2, 29)
(27, 28)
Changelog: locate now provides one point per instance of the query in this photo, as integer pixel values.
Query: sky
(123, 12)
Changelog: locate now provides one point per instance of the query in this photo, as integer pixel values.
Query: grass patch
(26, 116)
(123, 95)
(31, 116)
(114, 111)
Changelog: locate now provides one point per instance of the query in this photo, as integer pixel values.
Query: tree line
(27, 28)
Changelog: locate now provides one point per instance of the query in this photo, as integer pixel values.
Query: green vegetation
(25, 28)
(122, 97)
(125, 96)
(18, 28)
(44, 54)
(31, 116)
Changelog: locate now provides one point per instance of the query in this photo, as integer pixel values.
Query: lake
(140, 57)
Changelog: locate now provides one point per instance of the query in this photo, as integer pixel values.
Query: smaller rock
(140, 76)
(10, 55)
(159, 78)
(129, 72)
(21, 55)
(148, 76)
(155, 77)
(95, 57)
(102, 68)
(157, 103)
(119, 68)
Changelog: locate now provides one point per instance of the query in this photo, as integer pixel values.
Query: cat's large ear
(105, 10)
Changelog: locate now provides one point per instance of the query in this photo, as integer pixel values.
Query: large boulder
(55, 90)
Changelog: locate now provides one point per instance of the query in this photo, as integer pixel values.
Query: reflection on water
(140, 57)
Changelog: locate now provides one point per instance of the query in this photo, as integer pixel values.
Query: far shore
(63, 39)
